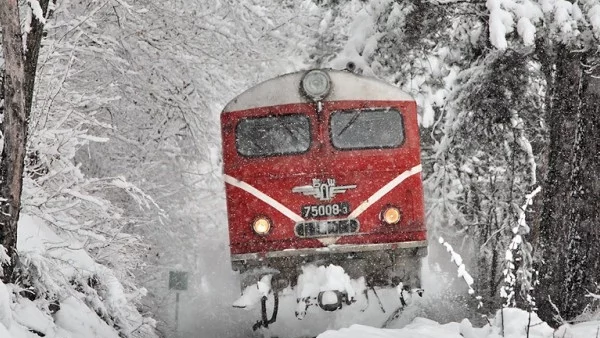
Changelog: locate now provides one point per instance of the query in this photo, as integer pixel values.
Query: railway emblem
(323, 190)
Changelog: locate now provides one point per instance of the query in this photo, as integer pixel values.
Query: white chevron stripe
(384, 190)
(263, 197)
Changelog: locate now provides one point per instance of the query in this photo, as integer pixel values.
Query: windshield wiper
(350, 123)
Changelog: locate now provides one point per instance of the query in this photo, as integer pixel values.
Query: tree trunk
(14, 128)
(34, 39)
(562, 121)
(583, 259)
(19, 79)
(568, 239)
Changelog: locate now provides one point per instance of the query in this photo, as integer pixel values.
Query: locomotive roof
(344, 86)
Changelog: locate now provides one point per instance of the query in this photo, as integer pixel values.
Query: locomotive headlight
(261, 225)
(316, 84)
(391, 215)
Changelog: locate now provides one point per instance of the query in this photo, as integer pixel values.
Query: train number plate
(326, 228)
(322, 210)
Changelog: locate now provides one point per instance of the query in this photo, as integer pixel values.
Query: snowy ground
(517, 323)
(356, 323)
(59, 264)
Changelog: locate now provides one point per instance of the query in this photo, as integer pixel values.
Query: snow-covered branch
(462, 270)
(518, 260)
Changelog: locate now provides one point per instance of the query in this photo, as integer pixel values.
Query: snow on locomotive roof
(345, 86)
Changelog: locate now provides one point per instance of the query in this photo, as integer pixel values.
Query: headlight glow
(316, 84)
(261, 225)
(391, 215)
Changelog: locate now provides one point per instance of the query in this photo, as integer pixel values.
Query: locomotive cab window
(366, 129)
(273, 135)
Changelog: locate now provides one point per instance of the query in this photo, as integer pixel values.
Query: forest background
(123, 149)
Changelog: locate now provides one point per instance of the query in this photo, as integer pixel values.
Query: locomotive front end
(323, 167)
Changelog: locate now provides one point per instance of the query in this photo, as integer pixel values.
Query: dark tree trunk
(564, 89)
(569, 219)
(583, 259)
(14, 129)
(19, 79)
(34, 42)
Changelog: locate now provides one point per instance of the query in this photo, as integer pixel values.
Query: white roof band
(345, 86)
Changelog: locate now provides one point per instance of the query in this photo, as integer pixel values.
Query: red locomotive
(324, 166)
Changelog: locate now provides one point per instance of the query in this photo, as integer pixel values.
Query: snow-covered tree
(76, 207)
(564, 36)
